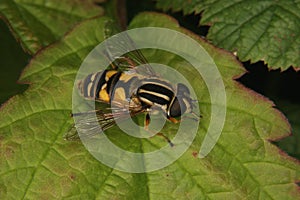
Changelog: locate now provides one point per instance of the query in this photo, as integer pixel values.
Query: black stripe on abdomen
(101, 82)
(112, 82)
(155, 93)
(86, 83)
(152, 98)
(157, 88)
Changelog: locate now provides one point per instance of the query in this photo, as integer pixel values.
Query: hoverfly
(133, 89)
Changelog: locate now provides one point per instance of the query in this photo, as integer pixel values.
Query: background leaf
(13, 61)
(37, 23)
(256, 30)
(36, 163)
(291, 144)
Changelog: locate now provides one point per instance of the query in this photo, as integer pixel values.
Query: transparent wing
(88, 126)
(122, 43)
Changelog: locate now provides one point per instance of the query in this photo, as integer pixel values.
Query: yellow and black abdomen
(98, 86)
(108, 85)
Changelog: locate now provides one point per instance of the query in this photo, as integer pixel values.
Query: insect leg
(130, 62)
(166, 138)
(175, 121)
(146, 127)
(195, 117)
(147, 121)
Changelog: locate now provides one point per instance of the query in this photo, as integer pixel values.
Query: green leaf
(37, 23)
(36, 163)
(187, 7)
(256, 30)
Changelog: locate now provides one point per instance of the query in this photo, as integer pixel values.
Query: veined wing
(89, 124)
(122, 43)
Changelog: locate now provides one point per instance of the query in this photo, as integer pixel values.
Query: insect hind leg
(146, 127)
(166, 138)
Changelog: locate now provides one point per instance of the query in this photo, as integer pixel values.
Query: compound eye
(175, 109)
(182, 89)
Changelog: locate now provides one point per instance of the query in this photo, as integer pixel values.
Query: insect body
(140, 93)
(132, 90)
